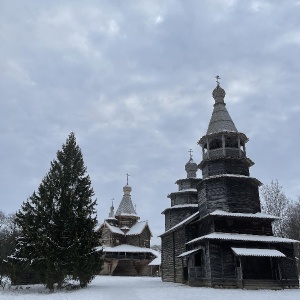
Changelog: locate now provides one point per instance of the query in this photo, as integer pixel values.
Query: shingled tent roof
(220, 120)
(126, 207)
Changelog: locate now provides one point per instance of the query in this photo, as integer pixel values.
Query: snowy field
(144, 288)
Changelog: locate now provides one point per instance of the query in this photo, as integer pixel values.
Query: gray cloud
(134, 82)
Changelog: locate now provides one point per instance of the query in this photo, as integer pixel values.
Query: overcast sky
(133, 80)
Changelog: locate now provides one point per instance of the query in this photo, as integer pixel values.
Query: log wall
(167, 258)
(139, 240)
(225, 166)
(175, 216)
(233, 194)
(243, 225)
(187, 183)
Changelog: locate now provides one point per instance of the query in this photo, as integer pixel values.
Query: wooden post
(240, 274)
(223, 145)
(207, 143)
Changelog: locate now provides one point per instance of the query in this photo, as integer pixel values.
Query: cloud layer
(133, 80)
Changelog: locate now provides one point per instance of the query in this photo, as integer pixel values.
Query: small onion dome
(191, 168)
(219, 94)
(127, 189)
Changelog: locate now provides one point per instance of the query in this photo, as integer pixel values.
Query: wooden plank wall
(179, 240)
(242, 195)
(139, 240)
(175, 216)
(232, 194)
(225, 166)
(167, 257)
(242, 225)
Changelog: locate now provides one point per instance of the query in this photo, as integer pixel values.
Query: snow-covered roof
(181, 206)
(182, 222)
(125, 227)
(156, 261)
(257, 252)
(242, 215)
(217, 213)
(231, 175)
(188, 252)
(138, 227)
(243, 237)
(130, 248)
(187, 190)
(129, 215)
(184, 191)
(114, 229)
(184, 205)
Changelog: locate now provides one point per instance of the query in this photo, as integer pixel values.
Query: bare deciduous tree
(293, 227)
(275, 202)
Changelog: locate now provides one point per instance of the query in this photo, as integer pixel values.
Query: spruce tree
(58, 237)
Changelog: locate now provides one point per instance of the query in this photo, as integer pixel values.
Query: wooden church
(215, 234)
(126, 242)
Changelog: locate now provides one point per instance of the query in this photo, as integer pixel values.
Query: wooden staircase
(125, 268)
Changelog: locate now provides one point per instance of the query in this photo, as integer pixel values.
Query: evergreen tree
(58, 237)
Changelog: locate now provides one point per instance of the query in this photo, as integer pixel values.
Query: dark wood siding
(233, 194)
(225, 166)
(243, 225)
(176, 215)
(242, 195)
(167, 257)
(179, 240)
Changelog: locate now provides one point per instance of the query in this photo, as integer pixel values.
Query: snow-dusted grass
(144, 288)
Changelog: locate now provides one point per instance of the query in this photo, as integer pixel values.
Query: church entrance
(125, 268)
(257, 267)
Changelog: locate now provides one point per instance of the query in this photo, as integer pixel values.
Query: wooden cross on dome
(127, 177)
(191, 151)
(218, 77)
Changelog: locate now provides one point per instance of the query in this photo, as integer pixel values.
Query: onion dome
(219, 94)
(111, 214)
(127, 189)
(191, 167)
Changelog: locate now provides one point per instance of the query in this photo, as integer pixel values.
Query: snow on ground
(144, 288)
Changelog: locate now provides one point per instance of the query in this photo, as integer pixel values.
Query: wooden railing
(233, 152)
